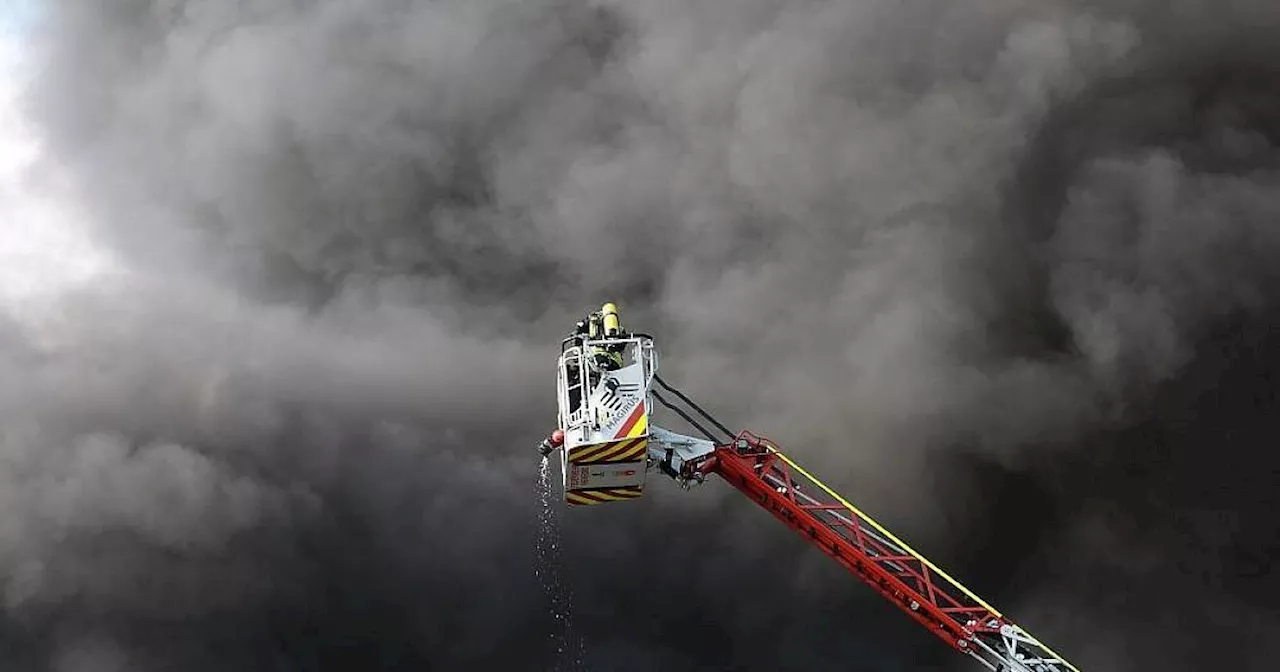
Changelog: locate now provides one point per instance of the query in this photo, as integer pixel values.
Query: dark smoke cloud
(1000, 270)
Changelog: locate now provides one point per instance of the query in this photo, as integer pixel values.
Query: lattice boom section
(876, 544)
(906, 578)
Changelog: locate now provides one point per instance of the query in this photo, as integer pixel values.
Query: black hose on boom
(710, 437)
(728, 434)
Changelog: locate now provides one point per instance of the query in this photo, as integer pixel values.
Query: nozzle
(549, 444)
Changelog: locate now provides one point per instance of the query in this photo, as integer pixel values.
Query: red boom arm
(953, 613)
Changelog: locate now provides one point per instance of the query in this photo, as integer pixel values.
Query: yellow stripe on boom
(889, 535)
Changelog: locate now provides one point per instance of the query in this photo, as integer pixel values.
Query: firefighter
(608, 357)
(594, 329)
(585, 329)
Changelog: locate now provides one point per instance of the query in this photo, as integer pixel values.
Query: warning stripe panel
(623, 451)
(601, 495)
(616, 451)
(581, 452)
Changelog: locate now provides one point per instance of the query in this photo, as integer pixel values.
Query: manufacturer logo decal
(616, 401)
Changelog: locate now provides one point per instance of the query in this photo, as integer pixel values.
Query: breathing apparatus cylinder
(612, 325)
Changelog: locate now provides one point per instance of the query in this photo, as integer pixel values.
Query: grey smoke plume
(999, 270)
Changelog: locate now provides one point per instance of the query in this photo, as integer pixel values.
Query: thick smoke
(1000, 270)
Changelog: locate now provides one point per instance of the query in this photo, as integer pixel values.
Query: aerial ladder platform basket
(603, 382)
